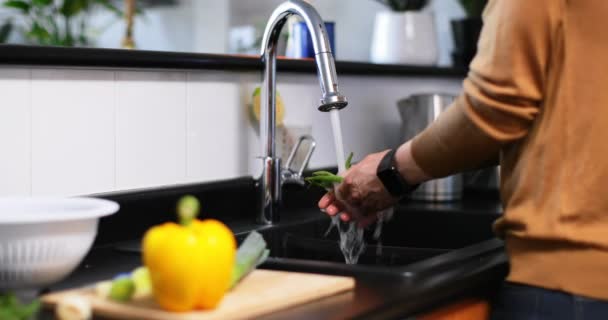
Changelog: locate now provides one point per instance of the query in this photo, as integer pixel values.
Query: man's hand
(361, 195)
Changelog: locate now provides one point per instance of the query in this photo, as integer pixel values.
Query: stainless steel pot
(417, 112)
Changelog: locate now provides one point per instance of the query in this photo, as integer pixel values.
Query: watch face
(385, 176)
(397, 188)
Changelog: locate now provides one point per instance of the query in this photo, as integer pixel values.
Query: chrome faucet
(273, 177)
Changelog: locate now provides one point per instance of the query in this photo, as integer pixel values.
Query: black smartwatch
(390, 177)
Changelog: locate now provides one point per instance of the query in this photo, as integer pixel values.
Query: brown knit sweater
(537, 94)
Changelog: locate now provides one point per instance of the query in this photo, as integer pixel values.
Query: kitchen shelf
(119, 58)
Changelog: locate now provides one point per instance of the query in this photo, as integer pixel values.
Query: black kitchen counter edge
(375, 297)
(119, 58)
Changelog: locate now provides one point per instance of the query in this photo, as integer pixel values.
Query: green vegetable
(322, 179)
(263, 257)
(122, 289)
(250, 254)
(322, 173)
(326, 182)
(102, 289)
(12, 309)
(348, 163)
(126, 286)
(142, 282)
(326, 179)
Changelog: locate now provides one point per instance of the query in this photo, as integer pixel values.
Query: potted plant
(466, 32)
(405, 34)
(56, 23)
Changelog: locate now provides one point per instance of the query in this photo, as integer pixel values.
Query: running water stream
(338, 142)
(352, 243)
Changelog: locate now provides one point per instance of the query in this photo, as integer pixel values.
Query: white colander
(43, 239)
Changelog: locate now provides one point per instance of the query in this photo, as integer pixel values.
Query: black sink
(301, 247)
(408, 238)
(416, 234)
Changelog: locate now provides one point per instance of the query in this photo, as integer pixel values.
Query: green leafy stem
(325, 179)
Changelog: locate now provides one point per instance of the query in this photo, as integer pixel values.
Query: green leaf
(322, 179)
(349, 160)
(473, 8)
(28, 311)
(4, 301)
(12, 300)
(322, 173)
(110, 6)
(5, 31)
(8, 314)
(71, 8)
(257, 91)
(42, 3)
(12, 309)
(18, 4)
(39, 33)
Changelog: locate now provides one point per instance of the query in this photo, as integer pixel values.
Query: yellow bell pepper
(190, 263)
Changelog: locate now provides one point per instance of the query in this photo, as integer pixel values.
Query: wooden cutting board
(263, 291)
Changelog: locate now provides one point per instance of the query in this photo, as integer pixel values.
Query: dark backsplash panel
(141, 209)
(226, 200)
(236, 199)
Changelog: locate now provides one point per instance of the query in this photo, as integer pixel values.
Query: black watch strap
(390, 177)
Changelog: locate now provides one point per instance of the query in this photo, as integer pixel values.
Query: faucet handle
(291, 176)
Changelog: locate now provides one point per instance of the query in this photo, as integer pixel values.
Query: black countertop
(119, 58)
(441, 279)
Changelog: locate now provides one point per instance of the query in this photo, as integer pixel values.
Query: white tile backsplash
(216, 127)
(301, 95)
(150, 129)
(78, 131)
(15, 147)
(72, 131)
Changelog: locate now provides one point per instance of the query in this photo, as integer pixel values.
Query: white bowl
(43, 239)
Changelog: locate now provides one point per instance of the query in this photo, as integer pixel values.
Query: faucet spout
(269, 182)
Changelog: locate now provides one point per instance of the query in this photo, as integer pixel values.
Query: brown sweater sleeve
(502, 92)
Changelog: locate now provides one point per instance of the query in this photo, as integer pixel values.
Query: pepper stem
(188, 208)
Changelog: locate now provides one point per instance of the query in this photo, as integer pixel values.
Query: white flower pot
(404, 38)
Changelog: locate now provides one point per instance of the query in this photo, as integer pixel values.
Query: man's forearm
(450, 145)
(408, 167)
